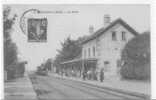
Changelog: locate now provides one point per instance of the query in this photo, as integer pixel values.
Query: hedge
(136, 58)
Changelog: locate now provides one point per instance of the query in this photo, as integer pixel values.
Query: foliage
(20, 69)
(136, 57)
(11, 65)
(47, 64)
(10, 49)
(70, 49)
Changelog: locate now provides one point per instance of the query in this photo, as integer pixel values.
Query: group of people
(88, 74)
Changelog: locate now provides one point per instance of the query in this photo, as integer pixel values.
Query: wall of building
(110, 50)
(85, 53)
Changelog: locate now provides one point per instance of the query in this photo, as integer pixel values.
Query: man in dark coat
(102, 75)
(84, 75)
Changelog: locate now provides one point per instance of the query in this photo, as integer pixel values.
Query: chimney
(91, 29)
(107, 20)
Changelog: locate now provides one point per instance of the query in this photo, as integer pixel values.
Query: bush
(15, 70)
(20, 69)
(11, 74)
(136, 58)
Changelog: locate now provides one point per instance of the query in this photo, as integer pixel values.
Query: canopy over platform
(80, 60)
(81, 64)
(78, 66)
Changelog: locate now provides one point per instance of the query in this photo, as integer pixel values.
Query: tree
(136, 58)
(10, 49)
(70, 49)
(47, 64)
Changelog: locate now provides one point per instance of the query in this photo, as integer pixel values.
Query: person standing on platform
(102, 75)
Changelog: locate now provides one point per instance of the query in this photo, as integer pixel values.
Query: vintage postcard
(77, 51)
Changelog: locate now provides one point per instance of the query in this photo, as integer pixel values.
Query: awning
(80, 60)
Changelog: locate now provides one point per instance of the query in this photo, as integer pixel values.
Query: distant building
(105, 45)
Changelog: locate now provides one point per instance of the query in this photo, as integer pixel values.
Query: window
(84, 53)
(106, 66)
(114, 35)
(88, 52)
(94, 51)
(123, 35)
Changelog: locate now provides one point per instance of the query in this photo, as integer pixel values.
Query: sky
(60, 26)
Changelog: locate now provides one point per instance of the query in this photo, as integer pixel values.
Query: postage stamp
(37, 30)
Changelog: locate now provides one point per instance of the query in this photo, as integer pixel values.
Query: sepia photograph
(77, 51)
